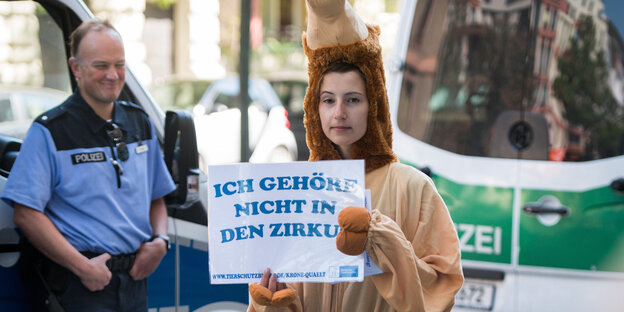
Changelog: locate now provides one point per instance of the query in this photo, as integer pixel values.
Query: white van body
(539, 231)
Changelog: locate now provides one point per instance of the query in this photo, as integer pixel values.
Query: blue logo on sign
(348, 271)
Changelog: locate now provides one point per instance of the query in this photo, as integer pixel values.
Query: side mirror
(182, 159)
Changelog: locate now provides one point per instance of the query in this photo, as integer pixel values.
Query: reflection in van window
(35, 77)
(6, 114)
(514, 79)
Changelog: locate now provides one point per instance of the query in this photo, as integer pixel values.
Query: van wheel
(280, 154)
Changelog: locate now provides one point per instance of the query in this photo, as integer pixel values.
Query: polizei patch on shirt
(82, 158)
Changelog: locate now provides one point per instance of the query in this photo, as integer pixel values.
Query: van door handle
(540, 208)
(617, 185)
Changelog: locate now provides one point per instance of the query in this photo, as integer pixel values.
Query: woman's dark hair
(341, 67)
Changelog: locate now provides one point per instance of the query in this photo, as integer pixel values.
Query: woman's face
(343, 109)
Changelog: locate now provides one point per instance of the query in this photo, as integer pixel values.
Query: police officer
(88, 185)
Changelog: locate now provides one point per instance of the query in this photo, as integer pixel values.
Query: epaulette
(50, 115)
(132, 105)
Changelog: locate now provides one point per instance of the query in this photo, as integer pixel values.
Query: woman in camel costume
(409, 235)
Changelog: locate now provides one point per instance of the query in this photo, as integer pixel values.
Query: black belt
(117, 263)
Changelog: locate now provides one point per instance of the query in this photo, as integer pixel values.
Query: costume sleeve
(419, 253)
(296, 306)
(31, 179)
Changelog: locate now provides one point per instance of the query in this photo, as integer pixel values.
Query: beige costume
(411, 237)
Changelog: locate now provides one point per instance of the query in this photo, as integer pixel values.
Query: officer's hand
(98, 275)
(271, 293)
(147, 258)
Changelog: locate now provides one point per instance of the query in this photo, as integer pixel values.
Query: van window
(35, 75)
(504, 79)
(5, 110)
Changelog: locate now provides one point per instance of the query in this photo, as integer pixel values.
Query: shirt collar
(84, 112)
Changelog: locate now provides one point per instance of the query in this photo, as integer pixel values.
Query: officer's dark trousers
(122, 294)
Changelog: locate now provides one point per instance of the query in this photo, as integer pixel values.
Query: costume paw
(265, 297)
(260, 294)
(283, 298)
(354, 222)
(351, 243)
(354, 219)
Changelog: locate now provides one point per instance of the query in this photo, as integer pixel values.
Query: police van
(515, 109)
(34, 47)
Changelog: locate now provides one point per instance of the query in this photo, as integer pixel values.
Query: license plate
(476, 296)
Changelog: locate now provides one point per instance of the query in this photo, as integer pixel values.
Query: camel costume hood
(375, 147)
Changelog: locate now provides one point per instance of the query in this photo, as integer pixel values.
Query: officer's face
(100, 67)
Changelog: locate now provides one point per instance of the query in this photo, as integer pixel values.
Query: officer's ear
(74, 64)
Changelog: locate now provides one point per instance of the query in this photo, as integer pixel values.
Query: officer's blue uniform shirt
(65, 170)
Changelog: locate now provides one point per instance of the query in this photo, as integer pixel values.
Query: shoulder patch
(50, 115)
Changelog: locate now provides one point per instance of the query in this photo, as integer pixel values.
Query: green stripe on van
(482, 217)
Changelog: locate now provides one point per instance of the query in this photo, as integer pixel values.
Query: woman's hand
(333, 22)
(269, 292)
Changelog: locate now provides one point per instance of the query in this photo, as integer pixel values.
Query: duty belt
(117, 263)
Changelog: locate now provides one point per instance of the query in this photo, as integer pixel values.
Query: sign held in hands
(284, 217)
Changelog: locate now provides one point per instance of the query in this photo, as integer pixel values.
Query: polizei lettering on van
(81, 158)
(481, 239)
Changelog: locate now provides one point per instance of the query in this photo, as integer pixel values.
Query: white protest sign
(283, 217)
